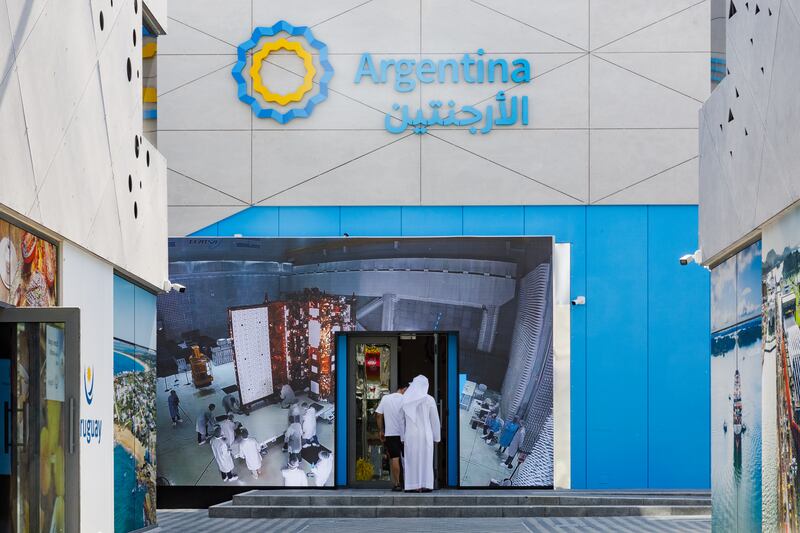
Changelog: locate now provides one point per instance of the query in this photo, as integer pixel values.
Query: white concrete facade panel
(70, 120)
(608, 78)
(14, 150)
(749, 134)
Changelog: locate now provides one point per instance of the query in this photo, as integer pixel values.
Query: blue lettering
(467, 62)
(443, 64)
(385, 64)
(366, 68)
(91, 429)
(407, 73)
(503, 64)
(522, 72)
(424, 68)
(403, 81)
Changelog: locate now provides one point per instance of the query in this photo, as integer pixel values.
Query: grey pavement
(197, 521)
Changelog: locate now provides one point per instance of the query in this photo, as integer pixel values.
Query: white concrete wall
(88, 283)
(749, 135)
(614, 103)
(69, 118)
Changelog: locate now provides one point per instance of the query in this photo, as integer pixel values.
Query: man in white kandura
(422, 429)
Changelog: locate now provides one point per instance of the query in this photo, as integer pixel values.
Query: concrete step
(466, 498)
(349, 503)
(228, 510)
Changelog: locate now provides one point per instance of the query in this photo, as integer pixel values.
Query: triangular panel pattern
(401, 158)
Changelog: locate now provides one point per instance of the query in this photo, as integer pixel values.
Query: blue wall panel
(616, 347)
(423, 220)
(678, 358)
(494, 220)
(209, 231)
(568, 224)
(639, 348)
(310, 222)
(371, 221)
(252, 222)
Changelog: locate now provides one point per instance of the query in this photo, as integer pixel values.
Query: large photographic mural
(247, 359)
(755, 384)
(134, 358)
(781, 293)
(736, 392)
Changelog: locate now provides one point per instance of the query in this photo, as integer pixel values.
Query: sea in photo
(128, 494)
(127, 358)
(736, 459)
(134, 436)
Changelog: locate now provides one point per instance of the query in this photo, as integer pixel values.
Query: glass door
(373, 373)
(39, 466)
(426, 354)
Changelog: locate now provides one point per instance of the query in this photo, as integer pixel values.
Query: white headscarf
(415, 393)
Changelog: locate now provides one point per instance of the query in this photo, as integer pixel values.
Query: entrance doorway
(39, 377)
(379, 364)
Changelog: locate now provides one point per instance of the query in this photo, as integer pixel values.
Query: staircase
(354, 503)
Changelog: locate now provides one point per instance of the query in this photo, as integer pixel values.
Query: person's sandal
(397, 488)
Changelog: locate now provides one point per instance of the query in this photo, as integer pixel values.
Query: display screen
(253, 336)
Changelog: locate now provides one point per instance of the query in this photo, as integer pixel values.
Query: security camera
(580, 300)
(696, 257)
(169, 286)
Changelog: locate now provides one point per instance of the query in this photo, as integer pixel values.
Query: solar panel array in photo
(251, 352)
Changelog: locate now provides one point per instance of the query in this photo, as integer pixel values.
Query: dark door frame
(377, 338)
(70, 317)
(448, 339)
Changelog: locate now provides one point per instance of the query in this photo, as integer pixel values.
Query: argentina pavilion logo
(284, 104)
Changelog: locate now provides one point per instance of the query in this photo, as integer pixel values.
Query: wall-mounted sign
(407, 74)
(403, 74)
(274, 105)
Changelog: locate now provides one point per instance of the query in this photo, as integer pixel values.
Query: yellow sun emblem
(308, 79)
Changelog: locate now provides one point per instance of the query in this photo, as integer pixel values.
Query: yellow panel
(149, 94)
(149, 50)
(308, 79)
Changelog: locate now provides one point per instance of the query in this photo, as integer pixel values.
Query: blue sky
(748, 282)
(736, 288)
(134, 314)
(784, 233)
(723, 294)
